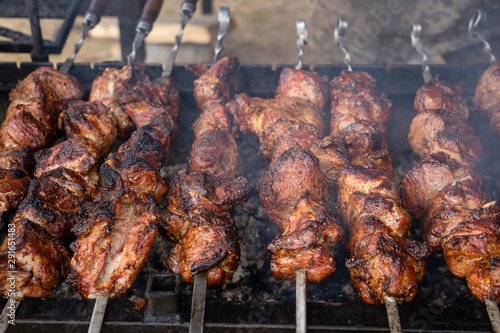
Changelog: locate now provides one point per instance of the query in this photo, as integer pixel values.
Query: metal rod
(9, 310)
(392, 314)
(300, 301)
(198, 303)
(473, 23)
(187, 11)
(98, 314)
(39, 52)
(494, 315)
(224, 20)
(301, 41)
(417, 44)
(338, 33)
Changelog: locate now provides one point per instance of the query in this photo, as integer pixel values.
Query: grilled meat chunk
(383, 262)
(197, 217)
(121, 224)
(447, 192)
(294, 189)
(30, 125)
(487, 96)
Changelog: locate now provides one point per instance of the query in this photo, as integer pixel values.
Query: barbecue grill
(253, 300)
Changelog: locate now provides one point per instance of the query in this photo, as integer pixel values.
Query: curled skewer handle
(493, 314)
(473, 23)
(392, 314)
(300, 301)
(338, 34)
(187, 10)
(98, 314)
(198, 303)
(224, 20)
(417, 44)
(301, 41)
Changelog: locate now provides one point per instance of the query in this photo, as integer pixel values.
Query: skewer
(91, 19)
(200, 280)
(473, 23)
(149, 14)
(417, 44)
(9, 310)
(300, 301)
(224, 20)
(300, 276)
(338, 33)
(390, 303)
(392, 314)
(493, 314)
(98, 314)
(198, 303)
(188, 8)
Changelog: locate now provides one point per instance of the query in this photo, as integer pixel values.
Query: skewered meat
(197, 217)
(121, 224)
(294, 190)
(383, 262)
(30, 125)
(446, 191)
(65, 179)
(487, 96)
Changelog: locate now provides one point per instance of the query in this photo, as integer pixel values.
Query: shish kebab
(294, 189)
(445, 190)
(385, 266)
(196, 217)
(487, 103)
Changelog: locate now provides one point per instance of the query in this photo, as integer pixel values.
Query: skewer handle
(494, 315)
(392, 315)
(300, 301)
(417, 44)
(301, 41)
(98, 314)
(338, 34)
(198, 303)
(473, 23)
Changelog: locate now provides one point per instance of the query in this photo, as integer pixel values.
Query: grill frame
(327, 310)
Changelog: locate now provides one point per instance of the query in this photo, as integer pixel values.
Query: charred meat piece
(383, 262)
(30, 125)
(487, 96)
(197, 217)
(294, 189)
(121, 224)
(447, 192)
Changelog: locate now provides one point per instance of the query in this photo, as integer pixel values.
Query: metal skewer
(417, 44)
(9, 310)
(473, 23)
(200, 280)
(198, 303)
(91, 19)
(300, 274)
(98, 314)
(392, 314)
(493, 314)
(224, 20)
(149, 14)
(188, 8)
(301, 41)
(338, 33)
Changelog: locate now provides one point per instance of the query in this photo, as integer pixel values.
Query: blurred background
(264, 32)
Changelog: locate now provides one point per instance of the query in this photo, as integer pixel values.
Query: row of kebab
(108, 205)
